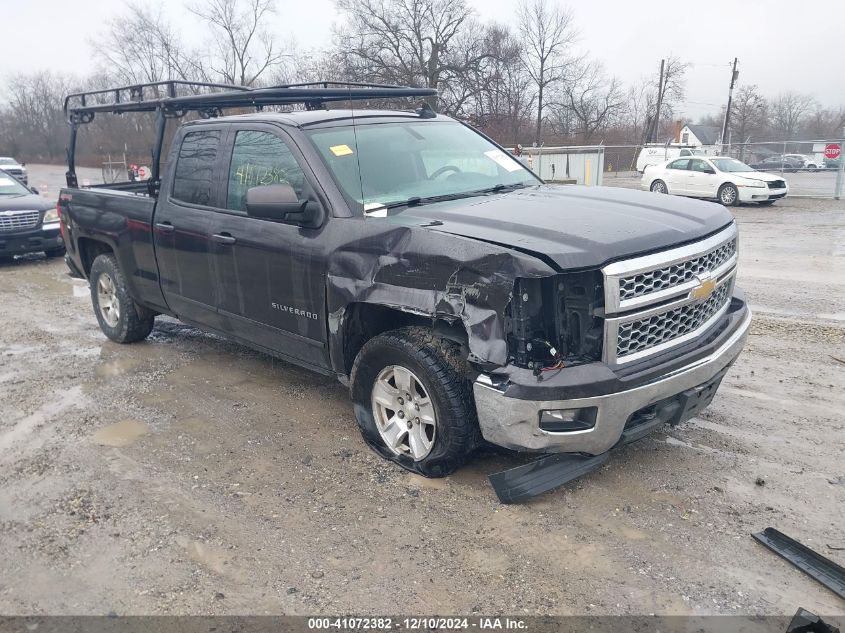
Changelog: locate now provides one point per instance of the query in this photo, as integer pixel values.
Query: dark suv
(28, 222)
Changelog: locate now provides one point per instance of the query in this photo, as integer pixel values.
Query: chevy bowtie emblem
(704, 288)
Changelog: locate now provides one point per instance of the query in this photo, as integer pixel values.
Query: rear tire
(658, 186)
(120, 318)
(440, 393)
(728, 195)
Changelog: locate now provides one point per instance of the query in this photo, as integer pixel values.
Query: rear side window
(681, 163)
(193, 181)
(258, 159)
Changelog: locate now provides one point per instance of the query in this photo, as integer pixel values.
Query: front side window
(392, 163)
(193, 181)
(682, 163)
(699, 165)
(258, 159)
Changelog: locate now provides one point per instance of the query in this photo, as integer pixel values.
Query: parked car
(832, 163)
(805, 162)
(725, 179)
(778, 163)
(656, 154)
(13, 167)
(28, 222)
(459, 297)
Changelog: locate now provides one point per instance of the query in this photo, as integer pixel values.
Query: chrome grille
(18, 220)
(643, 334)
(675, 274)
(777, 184)
(658, 301)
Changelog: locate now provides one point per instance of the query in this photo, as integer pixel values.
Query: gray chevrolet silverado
(460, 298)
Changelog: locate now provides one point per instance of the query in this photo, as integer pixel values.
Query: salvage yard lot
(187, 474)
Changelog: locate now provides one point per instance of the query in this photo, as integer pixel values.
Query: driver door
(677, 176)
(701, 183)
(271, 276)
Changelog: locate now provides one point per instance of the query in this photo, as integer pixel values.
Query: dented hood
(572, 226)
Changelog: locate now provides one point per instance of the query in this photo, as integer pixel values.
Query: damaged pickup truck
(460, 298)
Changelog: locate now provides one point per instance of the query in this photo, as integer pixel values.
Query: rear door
(271, 276)
(677, 176)
(182, 225)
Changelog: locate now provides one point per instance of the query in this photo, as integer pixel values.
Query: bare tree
(430, 43)
(592, 98)
(245, 50)
(143, 47)
(788, 111)
(34, 116)
(547, 33)
(824, 123)
(666, 95)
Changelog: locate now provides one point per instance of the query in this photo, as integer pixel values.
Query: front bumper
(42, 238)
(514, 422)
(759, 194)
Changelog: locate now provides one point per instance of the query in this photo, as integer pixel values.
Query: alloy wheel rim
(728, 195)
(403, 412)
(107, 300)
(658, 187)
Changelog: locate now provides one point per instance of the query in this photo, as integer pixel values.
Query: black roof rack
(210, 99)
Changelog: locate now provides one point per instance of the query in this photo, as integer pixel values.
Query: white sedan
(726, 179)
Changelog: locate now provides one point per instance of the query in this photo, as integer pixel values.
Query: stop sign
(832, 151)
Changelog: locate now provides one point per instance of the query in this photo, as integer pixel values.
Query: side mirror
(280, 203)
(709, 170)
(34, 190)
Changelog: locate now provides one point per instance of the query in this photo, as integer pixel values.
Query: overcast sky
(781, 44)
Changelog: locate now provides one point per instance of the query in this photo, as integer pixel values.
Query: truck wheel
(658, 186)
(120, 318)
(413, 401)
(55, 252)
(728, 195)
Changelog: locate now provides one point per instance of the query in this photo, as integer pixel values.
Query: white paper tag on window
(6, 182)
(503, 160)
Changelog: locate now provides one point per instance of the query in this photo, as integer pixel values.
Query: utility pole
(652, 133)
(734, 76)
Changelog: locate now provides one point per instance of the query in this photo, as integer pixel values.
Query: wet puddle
(122, 433)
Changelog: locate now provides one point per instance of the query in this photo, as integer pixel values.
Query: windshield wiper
(418, 200)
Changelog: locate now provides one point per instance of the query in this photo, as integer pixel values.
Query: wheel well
(89, 249)
(364, 321)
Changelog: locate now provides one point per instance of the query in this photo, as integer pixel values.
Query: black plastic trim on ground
(822, 569)
(541, 475)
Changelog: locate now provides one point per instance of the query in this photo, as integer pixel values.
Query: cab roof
(320, 118)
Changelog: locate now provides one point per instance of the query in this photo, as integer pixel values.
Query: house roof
(707, 134)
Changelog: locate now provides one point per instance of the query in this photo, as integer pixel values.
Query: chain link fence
(811, 167)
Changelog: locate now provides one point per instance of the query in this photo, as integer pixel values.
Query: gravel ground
(189, 475)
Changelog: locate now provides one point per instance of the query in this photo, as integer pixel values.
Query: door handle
(165, 227)
(223, 238)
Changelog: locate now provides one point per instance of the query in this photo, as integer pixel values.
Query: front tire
(413, 402)
(728, 195)
(658, 186)
(120, 318)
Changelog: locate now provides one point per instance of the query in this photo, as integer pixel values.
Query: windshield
(11, 187)
(730, 165)
(398, 163)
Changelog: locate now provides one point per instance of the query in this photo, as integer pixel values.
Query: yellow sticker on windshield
(341, 150)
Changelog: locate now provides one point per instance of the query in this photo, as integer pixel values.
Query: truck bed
(122, 218)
